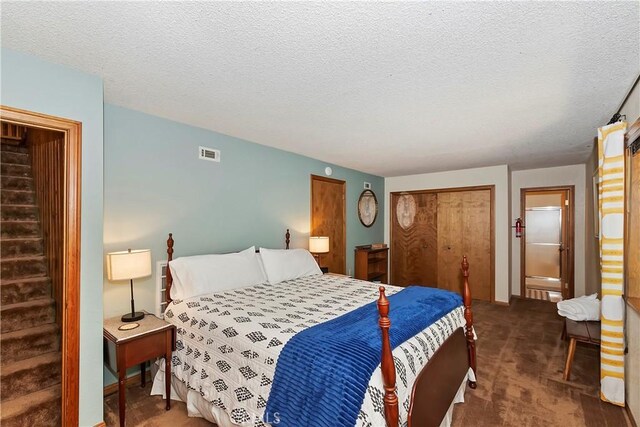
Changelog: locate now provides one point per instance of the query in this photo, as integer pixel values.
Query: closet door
(450, 248)
(414, 251)
(476, 241)
(464, 228)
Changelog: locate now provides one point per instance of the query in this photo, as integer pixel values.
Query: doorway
(328, 214)
(546, 270)
(47, 160)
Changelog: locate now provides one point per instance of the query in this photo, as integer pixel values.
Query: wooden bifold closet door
(414, 250)
(464, 228)
(447, 225)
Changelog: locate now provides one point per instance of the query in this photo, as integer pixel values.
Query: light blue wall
(31, 84)
(155, 184)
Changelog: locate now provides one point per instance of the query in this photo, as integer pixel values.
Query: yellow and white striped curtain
(611, 206)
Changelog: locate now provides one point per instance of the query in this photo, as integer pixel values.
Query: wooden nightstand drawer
(144, 348)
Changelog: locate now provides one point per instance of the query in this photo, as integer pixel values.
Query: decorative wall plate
(367, 208)
(406, 210)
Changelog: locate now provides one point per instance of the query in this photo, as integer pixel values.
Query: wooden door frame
(71, 255)
(570, 189)
(344, 209)
(631, 294)
(492, 192)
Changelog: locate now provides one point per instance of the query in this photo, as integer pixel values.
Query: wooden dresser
(372, 264)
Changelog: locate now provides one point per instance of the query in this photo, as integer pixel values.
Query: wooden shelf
(372, 264)
(375, 275)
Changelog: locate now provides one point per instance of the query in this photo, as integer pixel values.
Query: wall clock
(367, 208)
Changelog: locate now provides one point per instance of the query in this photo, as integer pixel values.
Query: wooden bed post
(169, 279)
(387, 366)
(468, 317)
(287, 239)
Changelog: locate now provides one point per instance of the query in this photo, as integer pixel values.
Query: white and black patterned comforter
(228, 342)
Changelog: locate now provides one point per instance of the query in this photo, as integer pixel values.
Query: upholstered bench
(587, 332)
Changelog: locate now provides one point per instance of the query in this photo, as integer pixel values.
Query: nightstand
(153, 338)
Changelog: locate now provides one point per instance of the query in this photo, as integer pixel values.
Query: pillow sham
(288, 264)
(261, 263)
(204, 274)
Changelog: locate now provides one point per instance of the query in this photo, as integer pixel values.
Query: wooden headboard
(169, 279)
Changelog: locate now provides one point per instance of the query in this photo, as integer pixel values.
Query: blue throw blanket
(322, 372)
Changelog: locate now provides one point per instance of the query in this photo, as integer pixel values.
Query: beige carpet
(520, 363)
(149, 411)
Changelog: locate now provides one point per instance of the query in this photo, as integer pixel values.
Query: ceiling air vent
(210, 154)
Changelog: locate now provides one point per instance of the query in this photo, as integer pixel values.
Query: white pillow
(288, 264)
(264, 272)
(204, 274)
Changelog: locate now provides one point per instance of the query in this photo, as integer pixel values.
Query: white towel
(581, 308)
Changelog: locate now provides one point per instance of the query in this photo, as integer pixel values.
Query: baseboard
(113, 388)
(630, 415)
(506, 304)
(502, 303)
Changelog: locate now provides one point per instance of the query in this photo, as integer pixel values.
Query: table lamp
(318, 245)
(129, 265)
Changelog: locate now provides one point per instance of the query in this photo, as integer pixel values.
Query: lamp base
(132, 317)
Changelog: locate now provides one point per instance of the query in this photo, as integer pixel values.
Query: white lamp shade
(318, 244)
(129, 264)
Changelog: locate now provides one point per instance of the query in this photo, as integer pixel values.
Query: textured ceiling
(387, 88)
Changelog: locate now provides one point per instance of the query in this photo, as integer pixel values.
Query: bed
(229, 343)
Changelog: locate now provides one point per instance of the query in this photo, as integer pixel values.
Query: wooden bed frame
(439, 380)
